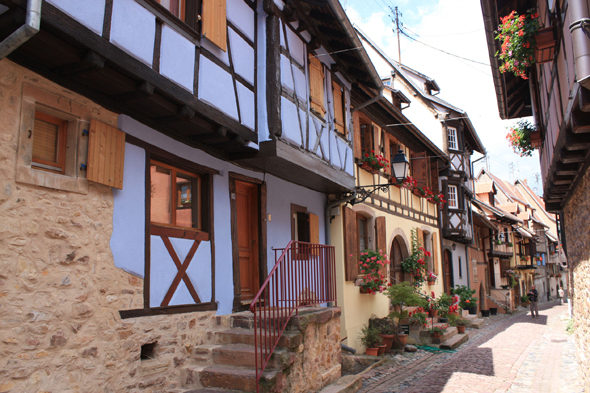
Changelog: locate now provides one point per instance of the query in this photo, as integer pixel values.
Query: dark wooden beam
(143, 90)
(584, 100)
(91, 62)
(568, 157)
(580, 122)
(576, 141)
(184, 113)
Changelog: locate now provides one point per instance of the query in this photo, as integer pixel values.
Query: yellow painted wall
(357, 308)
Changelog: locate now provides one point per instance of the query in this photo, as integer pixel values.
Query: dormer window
(452, 138)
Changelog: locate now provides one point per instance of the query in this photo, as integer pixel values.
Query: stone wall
(60, 293)
(577, 230)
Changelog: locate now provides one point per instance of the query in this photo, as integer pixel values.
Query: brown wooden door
(447, 259)
(396, 262)
(247, 225)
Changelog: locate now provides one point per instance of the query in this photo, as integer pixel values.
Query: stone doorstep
(246, 336)
(346, 384)
(231, 377)
(454, 341)
(244, 356)
(245, 319)
(451, 331)
(477, 323)
(203, 354)
(212, 391)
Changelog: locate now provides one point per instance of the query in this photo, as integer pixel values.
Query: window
(393, 148)
(305, 226)
(460, 268)
(175, 197)
(452, 197)
(316, 86)
(176, 7)
(366, 139)
(452, 138)
(339, 108)
(49, 142)
(361, 223)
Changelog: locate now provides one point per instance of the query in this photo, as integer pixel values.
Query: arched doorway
(399, 251)
(447, 271)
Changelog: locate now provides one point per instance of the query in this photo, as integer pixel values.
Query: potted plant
(370, 339)
(444, 305)
(431, 278)
(386, 330)
(401, 295)
(371, 265)
(509, 244)
(467, 301)
(498, 242)
(415, 264)
(524, 300)
(523, 138)
(417, 318)
(462, 323)
(373, 163)
(437, 331)
(517, 34)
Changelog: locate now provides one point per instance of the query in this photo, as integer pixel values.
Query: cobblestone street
(510, 354)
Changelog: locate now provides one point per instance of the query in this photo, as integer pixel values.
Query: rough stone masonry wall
(577, 230)
(60, 293)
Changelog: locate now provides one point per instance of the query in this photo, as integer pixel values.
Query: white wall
(127, 241)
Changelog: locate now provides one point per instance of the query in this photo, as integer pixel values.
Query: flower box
(545, 45)
(369, 168)
(536, 139)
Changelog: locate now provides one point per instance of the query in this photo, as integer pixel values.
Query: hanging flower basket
(517, 34)
(367, 167)
(521, 136)
(545, 45)
(536, 139)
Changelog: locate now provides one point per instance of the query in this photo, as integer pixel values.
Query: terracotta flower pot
(381, 349)
(431, 282)
(432, 313)
(400, 341)
(436, 335)
(388, 341)
(372, 351)
(369, 168)
(461, 329)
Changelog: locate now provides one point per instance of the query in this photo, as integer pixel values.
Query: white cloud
(455, 26)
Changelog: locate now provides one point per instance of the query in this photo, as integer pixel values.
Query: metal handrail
(304, 275)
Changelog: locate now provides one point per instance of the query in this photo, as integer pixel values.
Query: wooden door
(396, 272)
(247, 228)
(447, 272)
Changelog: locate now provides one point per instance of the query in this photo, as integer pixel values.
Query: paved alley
(513, 354)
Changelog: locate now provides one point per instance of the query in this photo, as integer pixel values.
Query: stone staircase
(226, 363)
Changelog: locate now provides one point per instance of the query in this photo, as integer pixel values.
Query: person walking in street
(561, 293)
(534, 298)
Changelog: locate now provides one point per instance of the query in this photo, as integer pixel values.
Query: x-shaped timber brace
(181, 275)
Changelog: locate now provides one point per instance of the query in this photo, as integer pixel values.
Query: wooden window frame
(173, 230)
(342, 105)
(367, 138)
(455, 138)
(456, 199)
(294, 229)
(360, 217)
(190, 13)
(62, 125)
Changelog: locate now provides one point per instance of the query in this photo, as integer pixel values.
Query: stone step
(454, 341)
(425, 335)
(212, 390)
(203, 354)
(477, 323)
(244, 356)
(228, 377)
(246, 336)
(346, 384)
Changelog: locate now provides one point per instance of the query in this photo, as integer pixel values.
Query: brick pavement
(511, 354)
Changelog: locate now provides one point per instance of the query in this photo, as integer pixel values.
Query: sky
(454, 26)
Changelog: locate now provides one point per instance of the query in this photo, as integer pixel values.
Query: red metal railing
(304, 275)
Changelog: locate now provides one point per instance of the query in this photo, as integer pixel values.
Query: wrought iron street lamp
(399, 166)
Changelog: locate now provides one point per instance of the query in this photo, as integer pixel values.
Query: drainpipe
(579, 13)
(26, 31)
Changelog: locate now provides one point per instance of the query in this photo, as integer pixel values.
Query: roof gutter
(490, 20)
(26, 31)
(579, 13)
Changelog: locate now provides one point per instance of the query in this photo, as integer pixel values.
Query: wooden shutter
(434, 176)
(214, 21)
(314, 232)
(420, 170)
(381, 237)
(387, 152)
(356, 124)
(376, 139)
(434, 256)
(337, 98)
(316, 85)
(351, 252)
(106, 155)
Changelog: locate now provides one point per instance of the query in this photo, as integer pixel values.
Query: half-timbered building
(158, 158)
